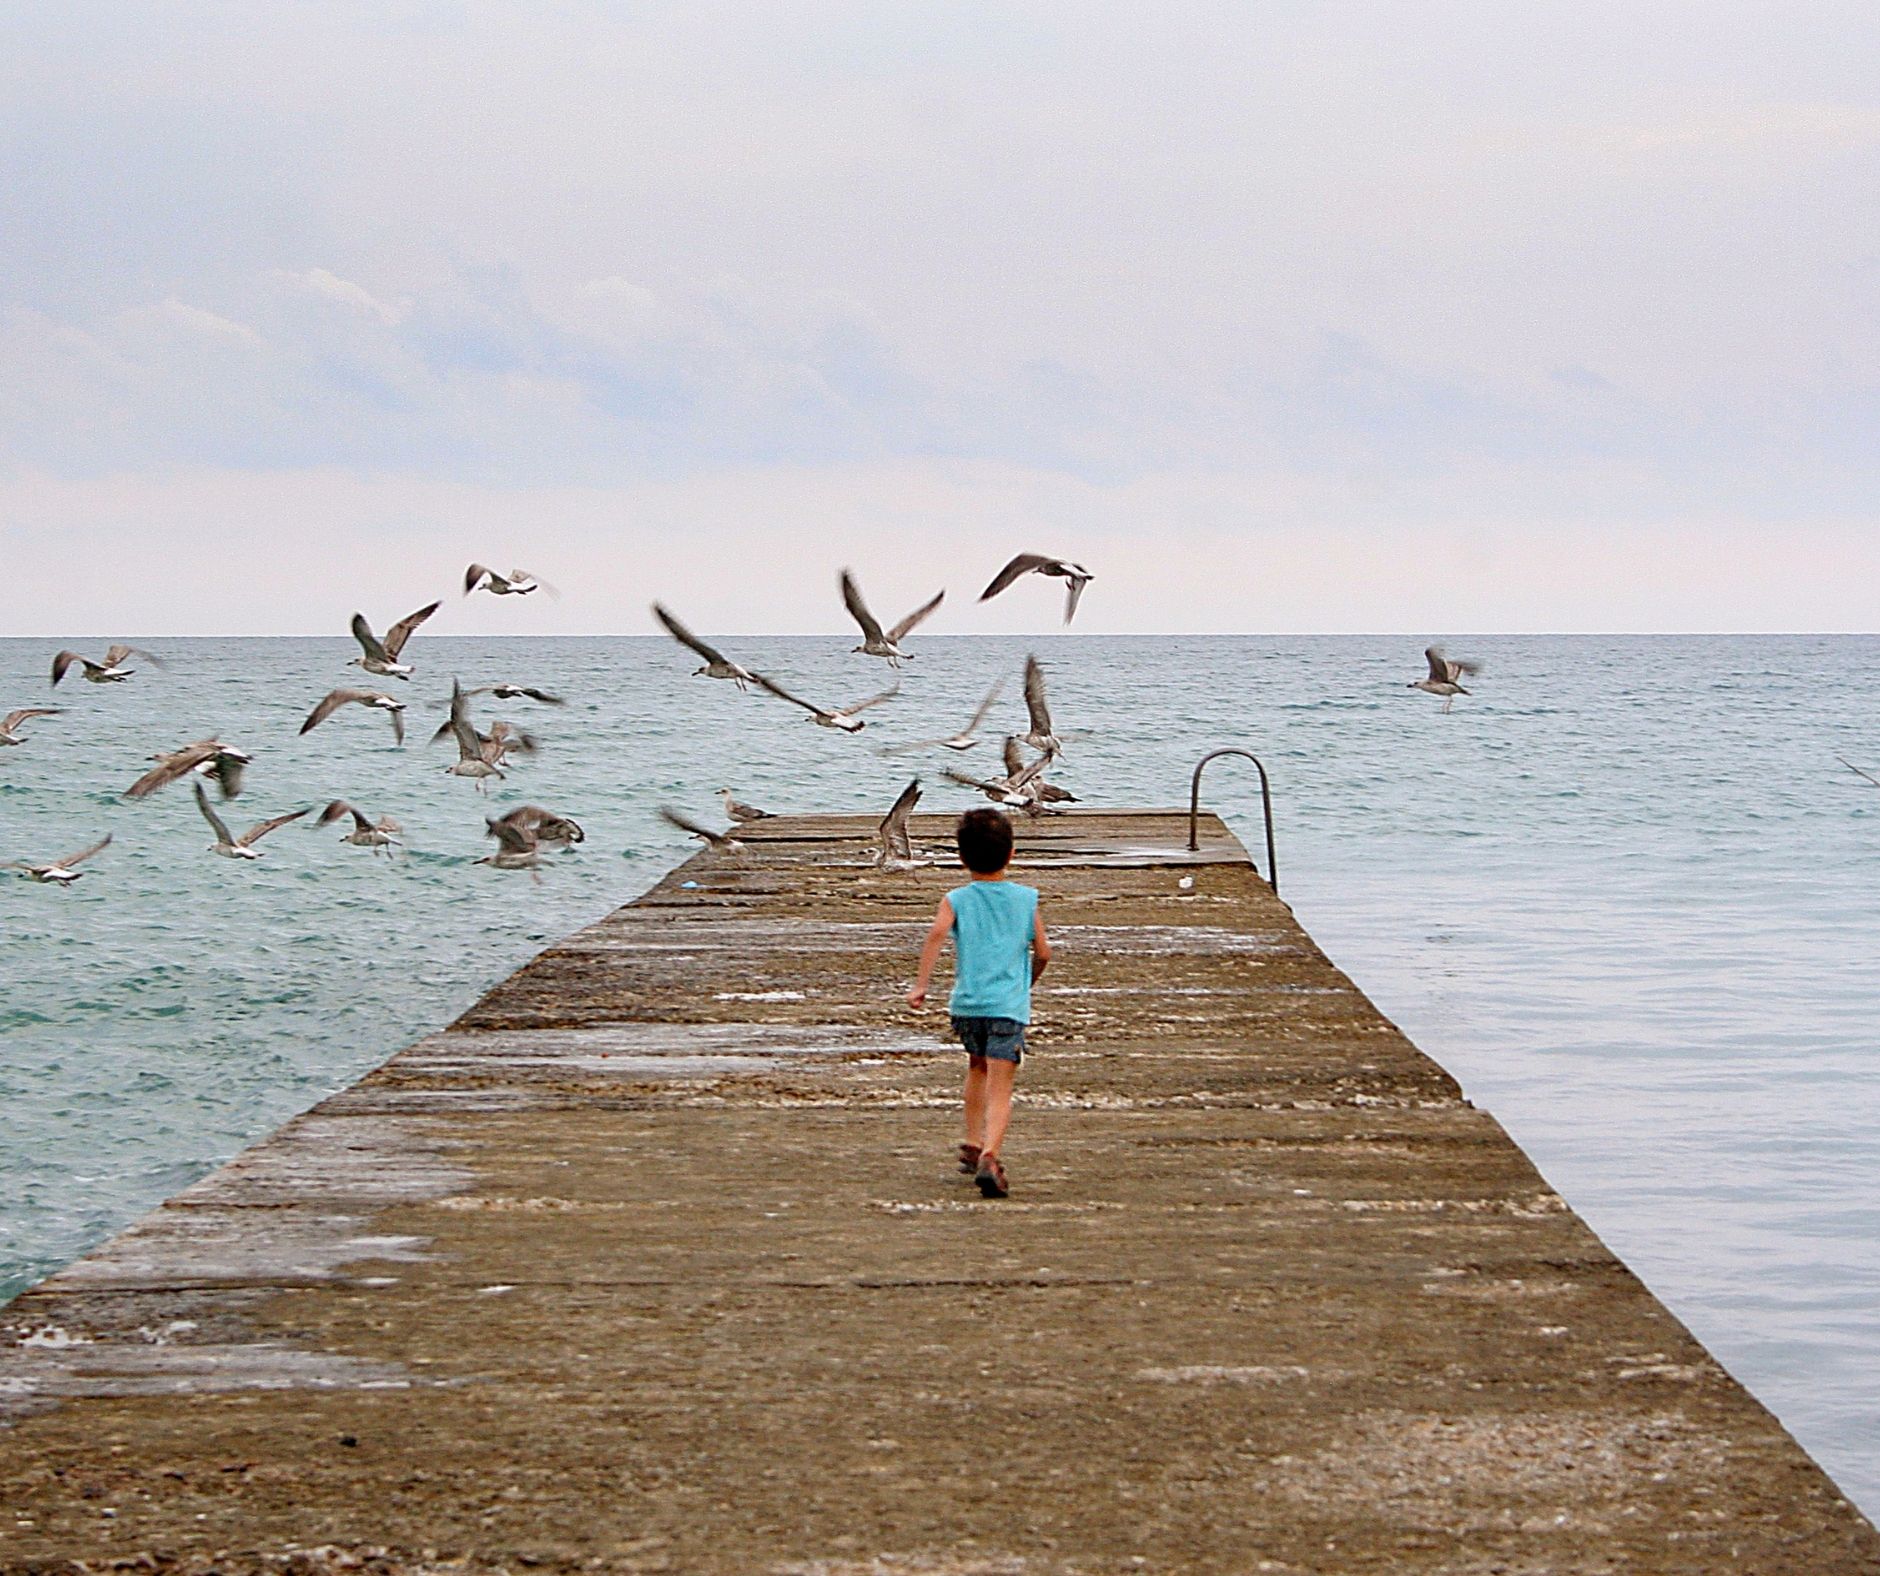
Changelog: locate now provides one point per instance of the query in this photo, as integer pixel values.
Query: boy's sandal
(991, 1177)
(969, 1158)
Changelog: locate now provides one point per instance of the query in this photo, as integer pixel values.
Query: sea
(1624, 891)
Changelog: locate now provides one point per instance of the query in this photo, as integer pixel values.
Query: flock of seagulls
(523, 834)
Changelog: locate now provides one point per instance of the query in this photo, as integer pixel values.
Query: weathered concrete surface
(656, 1260)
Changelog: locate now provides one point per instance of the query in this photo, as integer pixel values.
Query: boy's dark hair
(985, 841)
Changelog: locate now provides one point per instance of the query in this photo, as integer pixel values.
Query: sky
(1436, 316)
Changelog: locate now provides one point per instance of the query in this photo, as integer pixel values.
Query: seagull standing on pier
(109, 671)
(381, 656)
(717, 664)
(59, 872)
(742, 812)
(1038, 564)
(874, 642)
(844, 718)
(242, 847)
(10, 723)
(376, 699)
(1445, 672)
(376, 835)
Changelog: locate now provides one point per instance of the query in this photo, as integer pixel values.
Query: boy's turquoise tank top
(992, 930)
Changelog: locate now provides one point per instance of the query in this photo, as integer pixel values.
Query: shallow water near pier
(1624, 893)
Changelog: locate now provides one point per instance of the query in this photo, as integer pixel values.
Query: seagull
(375, 835)
(517, 847)
(547, 828)
(60, 871)
(9, 724)
(717, 665)
(722, 842)
(1042, 791)
(742, 812)
(874, 642)
(1444, 672)
(1038, 564)
(844, 718)
(381, 656)
(376, 699)
(518, 582)
(518, 692)
(473, 749)
(1857, 770)
(109, 671)
(1039, 735)
(961, 741)
(242, 847)
(1015, 789)
(208, 757)
(494, 745)
(897, 848)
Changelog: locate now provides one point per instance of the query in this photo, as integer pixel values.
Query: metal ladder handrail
(1266, 803)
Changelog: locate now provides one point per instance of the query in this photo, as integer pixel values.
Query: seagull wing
(14, 718)
(972, 782)
(1034, 698)
(228, 771)
(331, 704)
(216, 823)
(673, 818)
(1461, 665)
(398, 725)
(858, 609)
(1439, 664)
(685, 637)
(170, 767)
(873, 700)
(1858, 771)
(117, 654)
(516, 837)
(544, 697)
(906, 626)
(340, 807)
(1073, 594)
(63, 662)
(362, 632)
(474, 574)
(1014, 757)
(399, 633)
(894, 824)
(1026, 774)
(260, 829)
(84, 853)
(1024, 564)
(986, 705)
(783, 694)
(469, 742)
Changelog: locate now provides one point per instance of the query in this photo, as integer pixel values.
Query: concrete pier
(656, 1260)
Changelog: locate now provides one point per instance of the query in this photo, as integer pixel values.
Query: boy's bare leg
(998, 1103)
(976, 1101)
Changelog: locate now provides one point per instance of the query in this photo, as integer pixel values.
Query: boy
(999, 940)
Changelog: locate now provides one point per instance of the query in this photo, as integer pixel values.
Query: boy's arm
(930, 952)
(1040, 947)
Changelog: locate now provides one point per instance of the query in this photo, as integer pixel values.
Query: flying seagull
(60, 871)
(109, 671)
(717, 664)
(547, 828)
(390, 705)
(897, 848)
(1042, 791)
(963, 740)
(518, 692)
(742, 812)
(478, 757)
(1039, 735)
(874, 642)
(1038, 564)
(1444, 674)
(381, 656)
(9, 724)
(843, 718)
(1014, 789)
(375, 835)
(517, 847)
(722, 842)
(518, 582)
(209, 757)
(242, 847)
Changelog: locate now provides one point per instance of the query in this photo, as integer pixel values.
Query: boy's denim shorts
(996, 1039)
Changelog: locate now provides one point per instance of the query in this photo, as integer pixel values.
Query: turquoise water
(1624, 893)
